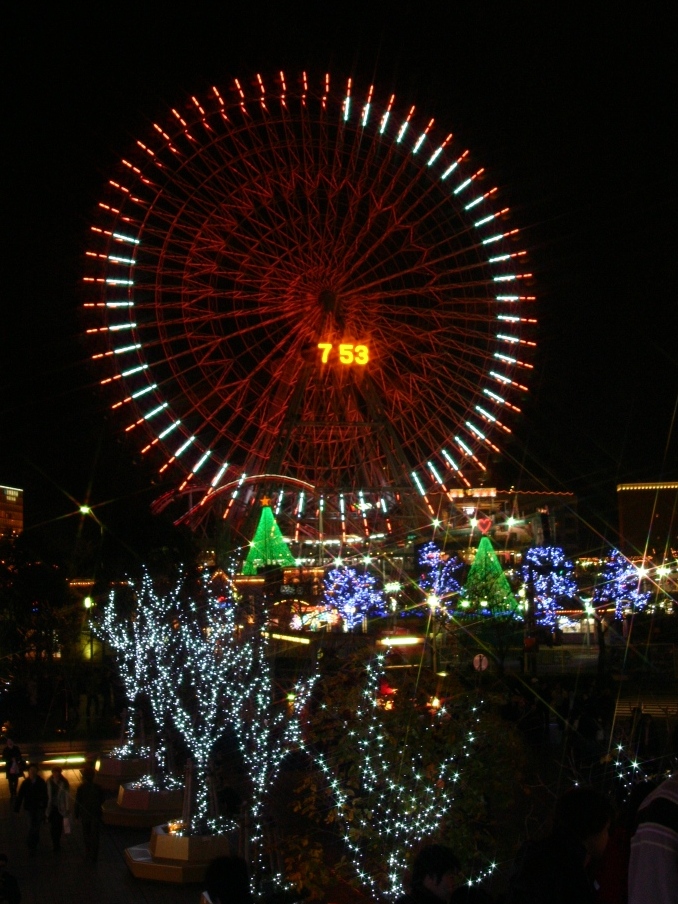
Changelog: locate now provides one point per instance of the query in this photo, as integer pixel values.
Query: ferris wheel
(304, 291)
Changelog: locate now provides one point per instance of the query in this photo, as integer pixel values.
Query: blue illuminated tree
(549, 577)
(619, 586)
(354, 594)
(438, 573)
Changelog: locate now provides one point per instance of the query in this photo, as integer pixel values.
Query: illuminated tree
(437, 576)
(125, 626)
(487, 588)
(198, 662)
(488, 593)
(266, 728)
(619, 586)
(205, 673)
(550, 578)
(353, 594)
(268, 546)
(405, 768)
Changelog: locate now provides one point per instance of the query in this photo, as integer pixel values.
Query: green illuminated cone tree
(488, 592)
(487, 587)
(268, 546)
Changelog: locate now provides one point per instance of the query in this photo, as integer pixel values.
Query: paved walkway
(66, 878)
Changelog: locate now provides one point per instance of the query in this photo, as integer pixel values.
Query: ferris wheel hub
(330, 302)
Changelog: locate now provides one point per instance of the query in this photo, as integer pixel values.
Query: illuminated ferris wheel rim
(119, 313)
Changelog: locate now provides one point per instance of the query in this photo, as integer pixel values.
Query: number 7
(327, 348)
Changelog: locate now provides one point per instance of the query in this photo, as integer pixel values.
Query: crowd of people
(48, 802)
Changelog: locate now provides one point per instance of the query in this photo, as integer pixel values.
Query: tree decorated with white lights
(403, 768)
(437, 577)
(619, 586)
(354, 594)
(549, 577)
(204, 662)
(267, 728)
(124, 625)
(199, 660)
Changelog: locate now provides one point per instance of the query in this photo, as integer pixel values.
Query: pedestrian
(9, 887)
(653, 869)
(58, 806)
(88, 800)
(435, 875)
(32, 796)
(556, 870)
(14, 765)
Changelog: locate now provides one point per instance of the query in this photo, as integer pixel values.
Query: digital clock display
(344, 352)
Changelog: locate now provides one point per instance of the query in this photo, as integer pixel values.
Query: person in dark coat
(556, 870)
(88, 800)
(58, 805)
(435, 875)
(32, 797)
(14, 765)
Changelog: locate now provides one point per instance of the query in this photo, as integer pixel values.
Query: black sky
(573, 113)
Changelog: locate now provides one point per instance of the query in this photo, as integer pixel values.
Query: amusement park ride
(304, 292)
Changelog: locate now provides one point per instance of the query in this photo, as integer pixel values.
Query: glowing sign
(346, 352)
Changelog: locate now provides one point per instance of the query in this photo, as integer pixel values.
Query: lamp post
(88, 603)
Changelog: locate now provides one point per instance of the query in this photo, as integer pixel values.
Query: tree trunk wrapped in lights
(125, 627)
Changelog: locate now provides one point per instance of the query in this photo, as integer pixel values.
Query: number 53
(353, 354)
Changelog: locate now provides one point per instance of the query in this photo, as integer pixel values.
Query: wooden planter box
(113, 771)
(142, 808)
(150, 799)
(200, 848)
(176, 858)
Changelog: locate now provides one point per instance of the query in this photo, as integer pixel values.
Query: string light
(205, 673)
(438, 575)
(620, 586)
(551, 578)
(399, 804)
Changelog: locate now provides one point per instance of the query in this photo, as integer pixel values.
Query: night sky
(572, 113)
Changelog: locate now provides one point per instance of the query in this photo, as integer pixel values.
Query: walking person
(58, 805)
(13, 765)
(88, 800)
(32, 797)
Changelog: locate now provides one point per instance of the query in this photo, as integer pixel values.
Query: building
(648, 520)
(11, 511)
(514, 520)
